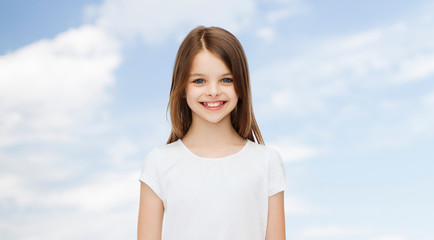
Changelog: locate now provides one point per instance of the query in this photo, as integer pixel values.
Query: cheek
(190, 104)
(233, 93)
(191, 95)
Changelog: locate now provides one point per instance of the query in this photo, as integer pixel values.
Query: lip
(213, 108)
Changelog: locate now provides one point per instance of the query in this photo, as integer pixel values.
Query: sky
(344, 90)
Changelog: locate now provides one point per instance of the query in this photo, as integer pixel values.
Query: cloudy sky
(343, 89)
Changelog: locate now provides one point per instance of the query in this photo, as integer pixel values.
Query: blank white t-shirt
(214, 198)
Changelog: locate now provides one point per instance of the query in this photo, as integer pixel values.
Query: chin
(212, 119)
(215, 121)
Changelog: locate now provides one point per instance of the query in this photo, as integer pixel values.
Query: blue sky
(343, 89)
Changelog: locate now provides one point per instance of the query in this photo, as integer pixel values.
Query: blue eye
(226, 80)
(199, 81)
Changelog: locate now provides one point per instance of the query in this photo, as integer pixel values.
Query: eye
(226, 80)
(199, 81)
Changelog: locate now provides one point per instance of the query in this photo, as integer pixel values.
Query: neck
(203, 133)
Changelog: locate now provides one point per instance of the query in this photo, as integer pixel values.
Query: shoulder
(164, 150)
(269, 156)
(264, 149)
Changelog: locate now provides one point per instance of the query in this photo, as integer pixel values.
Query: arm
(151, 211)
(276, 218)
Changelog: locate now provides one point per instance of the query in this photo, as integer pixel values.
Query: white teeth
(215, 104)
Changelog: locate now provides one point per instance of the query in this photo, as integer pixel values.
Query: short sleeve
(276, 173)
(150, 174)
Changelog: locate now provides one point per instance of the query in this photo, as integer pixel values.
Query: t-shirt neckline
(213, 158)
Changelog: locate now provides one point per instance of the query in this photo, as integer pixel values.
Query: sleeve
(276, 173)
(150, 172)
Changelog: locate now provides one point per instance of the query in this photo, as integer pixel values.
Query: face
(210, 90)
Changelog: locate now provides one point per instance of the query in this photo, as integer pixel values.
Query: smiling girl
(214, 178)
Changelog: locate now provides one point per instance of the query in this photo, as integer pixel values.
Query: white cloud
(11, 188)
(154, 21)
(402, 130)
(289, 9)
(428, 99)
(390, 237)
(387, 56)
(316, 232)
(122, 149)
(104, 192)
(278, 15)
(297, 206)
(70, 224)
(50, 91)
(266, 33)
(291, 151)
(419, 66)
(51, 86)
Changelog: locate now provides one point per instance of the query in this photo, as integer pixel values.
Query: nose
(213, 89)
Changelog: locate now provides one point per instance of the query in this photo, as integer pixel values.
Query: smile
(213, 105)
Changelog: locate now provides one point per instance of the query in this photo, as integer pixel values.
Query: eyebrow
(202, 75)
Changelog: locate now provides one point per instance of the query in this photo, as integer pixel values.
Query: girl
(214, 179)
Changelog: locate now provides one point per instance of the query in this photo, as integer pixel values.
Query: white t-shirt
(214, 198)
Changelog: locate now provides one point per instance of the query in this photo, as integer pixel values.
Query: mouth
(214, 106)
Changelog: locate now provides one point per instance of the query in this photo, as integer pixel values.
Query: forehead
(208, 63)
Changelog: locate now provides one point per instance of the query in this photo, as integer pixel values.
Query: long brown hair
(229, 49)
